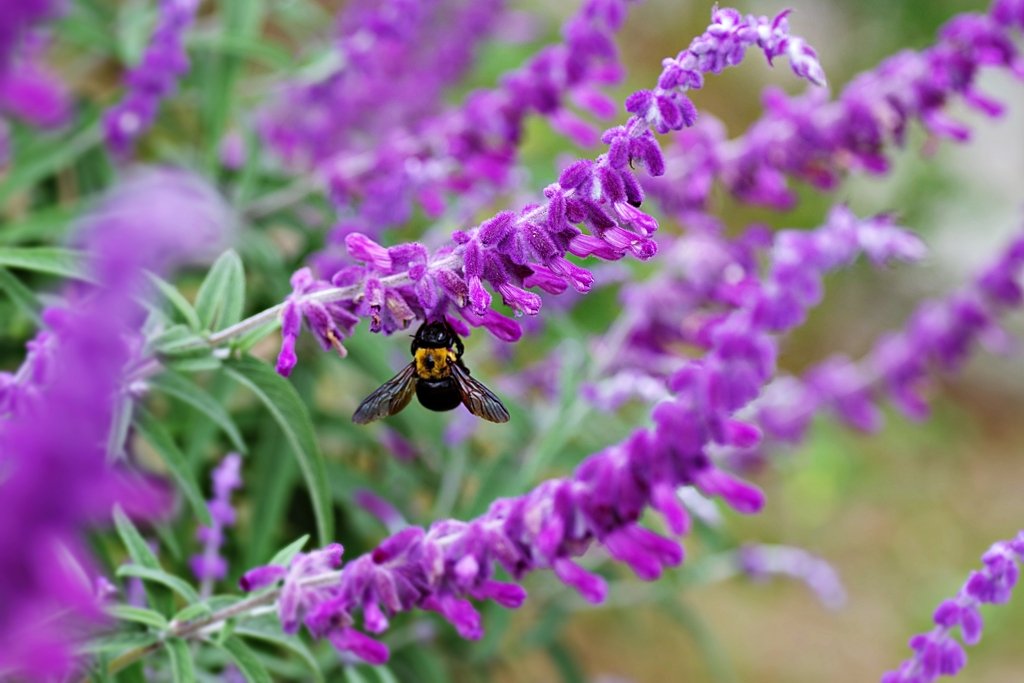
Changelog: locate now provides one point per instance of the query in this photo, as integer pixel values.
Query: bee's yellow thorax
(434, 363)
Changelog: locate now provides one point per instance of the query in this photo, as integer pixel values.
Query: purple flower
(380, 508)
(153, 79)
(210, 565)
(64, 412)
(329, 322)
(761, 561)
(32, 92)
(939, 335)
(818, 140)
(936, 653)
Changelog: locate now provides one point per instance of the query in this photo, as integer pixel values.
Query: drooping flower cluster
(939, 335)
(708, 279)
(153, 79)
(513, 252)
(937, 653)
(818, 140)
(209, 565)
(54, 439)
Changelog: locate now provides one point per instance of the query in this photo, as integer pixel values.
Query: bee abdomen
(438, 394)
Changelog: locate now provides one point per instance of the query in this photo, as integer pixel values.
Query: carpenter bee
(438, 377)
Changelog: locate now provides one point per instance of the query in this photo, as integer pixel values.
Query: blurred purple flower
(380, 508)
(939, 335)
(760, 562)
(210, 566)
(53, 443)
(153, 79)
(818, 140)
(937, 653)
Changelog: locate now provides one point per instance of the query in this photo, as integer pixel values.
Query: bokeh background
(903, 515)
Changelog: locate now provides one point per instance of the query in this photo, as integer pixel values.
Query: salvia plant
(195, 196)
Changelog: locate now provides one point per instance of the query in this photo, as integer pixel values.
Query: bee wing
(389, 399)
(478, 398)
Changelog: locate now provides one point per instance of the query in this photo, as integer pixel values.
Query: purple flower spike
(210, 565)
(153, 79)
(61, 405)
(936, 653)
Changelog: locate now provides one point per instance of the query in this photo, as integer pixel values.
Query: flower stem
(201, 627)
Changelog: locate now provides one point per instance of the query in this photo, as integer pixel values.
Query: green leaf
(42, 225)
(138, 615)
(136, 546)
(179, 340)
(566, 663)
(199, 609)
(179, 302)
(141, 555)
(119, 642)
(268, 629)
(284, 555)
(292, 415)
(255, 49)
(352, 675)
(384, 674)
(203, 364)
(34, 165)
(221, 297)
(21, 295)
(182, 668)
(246, 660)
(191, 393)
(153, 432)
(50, 260)
(176, 584)
(256, 335)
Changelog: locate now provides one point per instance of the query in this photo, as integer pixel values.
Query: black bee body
(439, 378)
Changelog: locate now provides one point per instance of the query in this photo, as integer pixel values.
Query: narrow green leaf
(285, 554)
(246, 660)
(138, 615)
(136, 546)
(257, 50)
(50, 260)
(182, 388)
(32, 167)
(384, 674)
(202, 364)
(352, 675)
(292, 415)
(178, 339)
(153, 432)
(116, 643)
(183, 670)
(269, 630)
(42, 225)
(565, 663)
(271, 481)
(141, 555)
(179, 586)
(221, 297)
(199, 609)
(179, 302)
(21, 295)
(256, 335)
